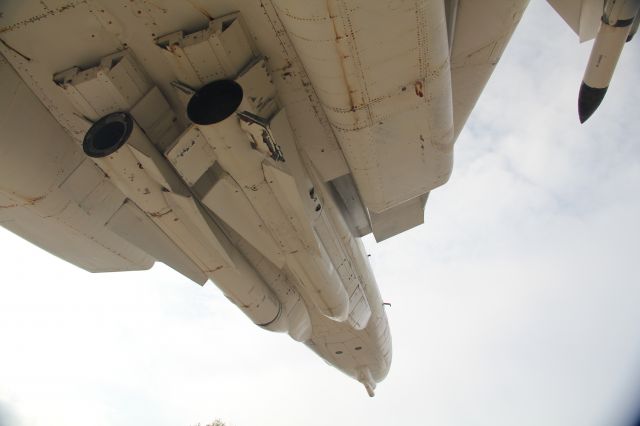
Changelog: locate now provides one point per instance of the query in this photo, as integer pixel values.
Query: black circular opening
(214, 102)
(108, 134)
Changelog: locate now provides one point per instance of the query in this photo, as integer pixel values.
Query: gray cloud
(8, 415)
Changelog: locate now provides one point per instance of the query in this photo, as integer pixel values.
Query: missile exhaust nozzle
(108, 134)
(214, 102)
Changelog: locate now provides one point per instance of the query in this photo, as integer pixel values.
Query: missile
(122, 150)
(219, 109)
(617, 22)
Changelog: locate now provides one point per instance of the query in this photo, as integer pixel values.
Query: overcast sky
(517, 303)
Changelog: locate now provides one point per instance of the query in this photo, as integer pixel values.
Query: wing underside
(343, 119)
(583, 16)
(50, 194)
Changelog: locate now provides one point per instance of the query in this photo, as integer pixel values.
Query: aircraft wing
(583, 16)
(382, 187)
(250, 143)
(481, 31)
(50, 194)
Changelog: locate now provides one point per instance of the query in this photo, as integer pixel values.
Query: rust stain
(46, 14)
(343, 66)
(290, 15)
(157, 6)
(25, 200)
(33, 200)
(161, 213)
(186, 149)
(285, 67)
(5, 44)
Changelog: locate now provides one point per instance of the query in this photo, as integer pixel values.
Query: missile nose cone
(589, 100)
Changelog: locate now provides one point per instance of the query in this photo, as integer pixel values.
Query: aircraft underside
(250, 143)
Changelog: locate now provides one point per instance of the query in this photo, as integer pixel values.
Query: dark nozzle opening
(214, 102)
(107, 135)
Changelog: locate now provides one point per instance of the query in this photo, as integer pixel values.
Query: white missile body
(615, 29)
(120, 148)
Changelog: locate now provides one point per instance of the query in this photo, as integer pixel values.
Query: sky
(516, 302)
